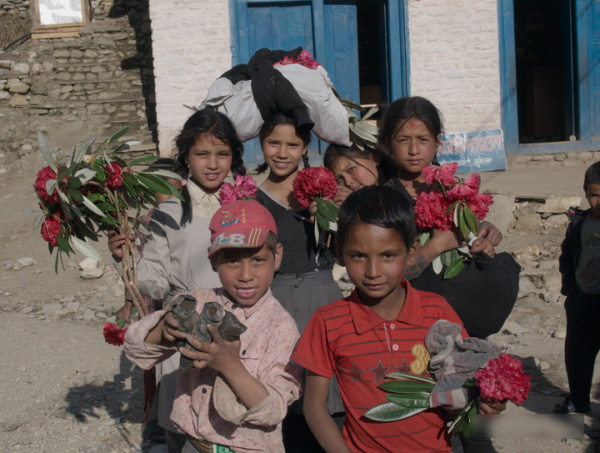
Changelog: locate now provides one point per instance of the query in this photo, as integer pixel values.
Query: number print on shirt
(419, 365)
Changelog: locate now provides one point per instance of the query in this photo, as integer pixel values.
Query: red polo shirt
(348, 339)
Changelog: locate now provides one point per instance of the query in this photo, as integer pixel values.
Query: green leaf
(74, 183)
(471, 220)
(142, 160)
(437, 265)
(47, 149)
(451, 207)
(414, 400)
(100, 173)
(85, 174)
(118, 135)
(372, 111)
(406, 387)
(93, 197)
(38, 220)
(424, 237)
(51, 186)
(327, 209)
(75, 195)
(63, 172)
(62, 238)
(155, 183)
(92, 207)
(80, 151)
(414, 377)
(462, 223)
(449, 257)
(454, 269)
(164, 173)
(322, 221)
(85, 248)
(388, 412)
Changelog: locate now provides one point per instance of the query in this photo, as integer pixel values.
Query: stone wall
(100, 81)
(454, 60)
(191, 45)
(19, 7)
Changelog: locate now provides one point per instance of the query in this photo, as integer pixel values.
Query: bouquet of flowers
(452, 203)
(502, 379)
(93, 191)
(465, 370)
(315, 184)
(244, 188)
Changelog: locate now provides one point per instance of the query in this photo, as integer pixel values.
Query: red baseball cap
(240, 224)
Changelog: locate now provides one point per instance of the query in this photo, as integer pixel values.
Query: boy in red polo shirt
(378, 329)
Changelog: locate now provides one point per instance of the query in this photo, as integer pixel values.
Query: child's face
(355, 173)
(209, 160)
(283, 151)
(592, 193)
(413, 147)
(246, 274)
(375, 259)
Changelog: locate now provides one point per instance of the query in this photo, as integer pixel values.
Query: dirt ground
(63, 389)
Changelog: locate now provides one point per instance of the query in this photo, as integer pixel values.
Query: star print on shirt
(355, 372)
(380, 372)
(404, 368)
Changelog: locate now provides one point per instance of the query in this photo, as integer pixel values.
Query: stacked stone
(15, 7)
(571, 159)
(95, 78)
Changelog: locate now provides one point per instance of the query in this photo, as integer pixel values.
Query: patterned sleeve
(145, 355)
(312, 351)
(416, 269)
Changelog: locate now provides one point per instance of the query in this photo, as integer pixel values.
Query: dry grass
(12, 27)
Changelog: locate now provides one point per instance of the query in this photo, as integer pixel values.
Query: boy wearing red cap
(237, 394)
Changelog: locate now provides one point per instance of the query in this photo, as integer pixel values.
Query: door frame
(508, 84)
(398, 48)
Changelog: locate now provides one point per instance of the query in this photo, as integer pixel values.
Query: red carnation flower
(113, 334)
(115, 179)
(50, 229)
(503, 379)
(430, 212)
(311, 183)
(43, 176)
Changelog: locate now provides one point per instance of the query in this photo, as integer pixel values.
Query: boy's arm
(317, 416)
(565, 262)
(143, 341)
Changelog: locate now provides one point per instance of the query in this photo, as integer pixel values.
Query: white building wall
(191, 46)
(454, 60)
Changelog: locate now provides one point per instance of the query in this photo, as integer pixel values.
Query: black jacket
(571, 250)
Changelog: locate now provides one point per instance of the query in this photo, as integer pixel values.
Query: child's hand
(124, 312)
(170, 331)
(312, 210)
(489, 407)
(483, 245)
(115, 244)
(488, 231)
(341, 194)
(220, 355)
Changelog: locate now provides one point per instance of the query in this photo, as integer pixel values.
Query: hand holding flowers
(454, 204)
(94, 191)
(315, 185)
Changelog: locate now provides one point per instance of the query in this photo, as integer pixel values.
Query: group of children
(265, 266)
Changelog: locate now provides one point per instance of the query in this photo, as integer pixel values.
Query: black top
(297, 235)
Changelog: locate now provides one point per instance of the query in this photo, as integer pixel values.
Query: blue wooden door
(287, 25)
(593, 66)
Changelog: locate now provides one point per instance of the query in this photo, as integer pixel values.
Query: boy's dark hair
(385, 166)
(381, 206)
(275, 120)
(211, 122)
(592, 175)
(408, 108)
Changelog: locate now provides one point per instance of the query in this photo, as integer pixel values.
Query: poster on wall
(474, 151)
(60, 12)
